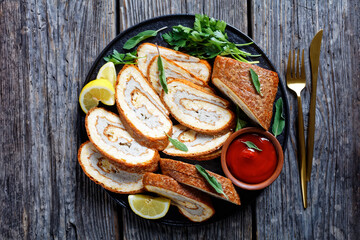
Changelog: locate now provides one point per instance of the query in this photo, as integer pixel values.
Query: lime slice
(149, 207)
(95, 91)
(108, 72)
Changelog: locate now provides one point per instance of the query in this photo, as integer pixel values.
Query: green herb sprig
(162, 76)
(207, 39)
(132, 42)
(279, 119)
(252, 145)
(122, 58)
(211, 180)
(177, 144)
(255, 80)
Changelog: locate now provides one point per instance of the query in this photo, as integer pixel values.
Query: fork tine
(288, 70)
(293, 65)
(302, 65)
(298, 64)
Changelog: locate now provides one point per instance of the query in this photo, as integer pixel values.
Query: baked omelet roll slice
(103, 172)
(197, 109)
(171, 70)
(111, 139)
(192, 203)
(198, 144)
(141, 110)
(198, 67)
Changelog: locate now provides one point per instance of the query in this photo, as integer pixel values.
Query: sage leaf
(252, 145)
(255, 80)
(279, 119)
(162, 76)
(132, 42)
(211, 180)
(177, 144)
(239, 122)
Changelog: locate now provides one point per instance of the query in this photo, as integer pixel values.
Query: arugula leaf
(239, 122)
(197, 24)
(251, 145)
(132, 42)
(206, 39)
(255, 80)
(162, 76)
(122, 58)
(177, 144)
(211, 180)
(279, 119)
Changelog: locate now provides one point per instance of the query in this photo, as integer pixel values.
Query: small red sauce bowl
(279, 153)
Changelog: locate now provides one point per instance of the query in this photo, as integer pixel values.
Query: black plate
(223, 209)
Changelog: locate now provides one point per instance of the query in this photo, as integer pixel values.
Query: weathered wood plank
(234, 12)
(333, 211)
(47, 48)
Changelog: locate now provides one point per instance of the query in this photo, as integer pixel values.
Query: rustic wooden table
(46, 50)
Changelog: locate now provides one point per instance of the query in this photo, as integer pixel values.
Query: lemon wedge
(108, 72)
(149, 207)
(95, 91)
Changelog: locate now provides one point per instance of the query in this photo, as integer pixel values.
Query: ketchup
(250, 165)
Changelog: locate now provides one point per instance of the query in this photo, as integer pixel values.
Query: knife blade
(315, 48)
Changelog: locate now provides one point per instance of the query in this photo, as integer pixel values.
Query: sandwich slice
(103, 172)
(141, 110)
(198, 67)
(198, 144)
(193, 204)
(234, 80)
(187, 174)
(197, 109)
(110, 138)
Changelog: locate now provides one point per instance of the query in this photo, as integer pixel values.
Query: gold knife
(315, 47)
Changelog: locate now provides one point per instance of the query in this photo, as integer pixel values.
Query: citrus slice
(149, 207)
(95, 91)
(108, 72)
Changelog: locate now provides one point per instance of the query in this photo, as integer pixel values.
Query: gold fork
(296, 81)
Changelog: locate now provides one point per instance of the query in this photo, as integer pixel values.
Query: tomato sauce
(250, 165)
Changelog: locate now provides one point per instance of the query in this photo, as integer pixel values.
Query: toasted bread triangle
(187, 174)
(233, 79)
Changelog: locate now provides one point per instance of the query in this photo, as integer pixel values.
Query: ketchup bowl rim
(279, 154)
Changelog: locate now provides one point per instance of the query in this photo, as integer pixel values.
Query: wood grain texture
(233, 11)
(48, 48)
(333, 193)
